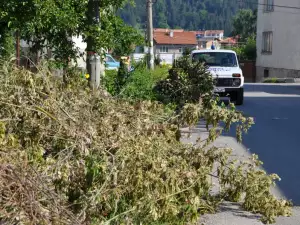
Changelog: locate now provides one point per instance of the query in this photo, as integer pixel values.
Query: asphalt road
(275, 137)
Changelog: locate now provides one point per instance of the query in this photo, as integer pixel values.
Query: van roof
(209, 50)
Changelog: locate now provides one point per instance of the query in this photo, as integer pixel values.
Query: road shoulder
(231, 213)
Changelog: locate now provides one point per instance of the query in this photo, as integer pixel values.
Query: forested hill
(187, 14)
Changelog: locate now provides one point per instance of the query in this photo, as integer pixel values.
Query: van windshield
(222, 59)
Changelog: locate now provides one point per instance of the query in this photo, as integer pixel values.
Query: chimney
(171, 34)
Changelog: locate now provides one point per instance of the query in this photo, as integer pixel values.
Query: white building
(170, 44)
(278, 46)
(205, 38)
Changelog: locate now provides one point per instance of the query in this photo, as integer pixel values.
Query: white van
(224, 67)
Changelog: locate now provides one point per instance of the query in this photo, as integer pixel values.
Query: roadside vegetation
(246, 51)
(275, 80)
(244, 27)
(72, 155)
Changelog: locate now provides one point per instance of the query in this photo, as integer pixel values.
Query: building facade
(205, 38)
(173, 41)
(169, 44)
(278, 47)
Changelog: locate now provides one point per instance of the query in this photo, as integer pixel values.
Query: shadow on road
(275, 137)
(235, 209)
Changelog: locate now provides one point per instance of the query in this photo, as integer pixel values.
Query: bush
(247, 51)
(187, 82)
(157, 60)
(109, 81)
(71, 155)
(139, 83)
(7, 45)
(275, 80)
(122, 77)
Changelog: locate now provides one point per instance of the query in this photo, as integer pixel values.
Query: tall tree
(244, 24)
(52, 23)
(160, 17)
(189, 14)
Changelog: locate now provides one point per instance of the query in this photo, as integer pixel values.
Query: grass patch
(275, 80)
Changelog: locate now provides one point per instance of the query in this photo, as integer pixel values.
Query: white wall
(138, 56)
(79, 43)
(285, 24)
(167, 58)
(172, 48)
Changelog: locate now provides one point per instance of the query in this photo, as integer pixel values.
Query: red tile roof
(179, 38)
(229, 40)
(214, 31)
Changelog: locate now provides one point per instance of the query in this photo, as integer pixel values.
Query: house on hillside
(170, 44)
(171, 41)
(229, 42)
(278, 50)
(205, 37)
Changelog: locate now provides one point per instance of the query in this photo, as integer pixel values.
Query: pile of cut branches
(70, 155)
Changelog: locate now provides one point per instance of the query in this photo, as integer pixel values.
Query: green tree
(7, 42)
(126, 38)
(187, 14)
(244, 24)
(247, 51)
(160, 17)
(45, 23)
(51, 24)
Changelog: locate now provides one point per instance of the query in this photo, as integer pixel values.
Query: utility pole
(150, 35)
(93, 62)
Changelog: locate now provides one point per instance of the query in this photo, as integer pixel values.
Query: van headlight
(236, 82)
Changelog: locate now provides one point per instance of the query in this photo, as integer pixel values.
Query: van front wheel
(238, 96)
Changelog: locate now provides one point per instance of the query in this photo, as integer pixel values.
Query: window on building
(266, 73)
(267, 42)
(180, 49)
(163, 49)
(268, 5)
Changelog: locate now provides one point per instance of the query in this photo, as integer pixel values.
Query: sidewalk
(231, 213)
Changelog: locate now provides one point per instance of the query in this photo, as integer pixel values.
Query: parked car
(225, 69)
(111, 63)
